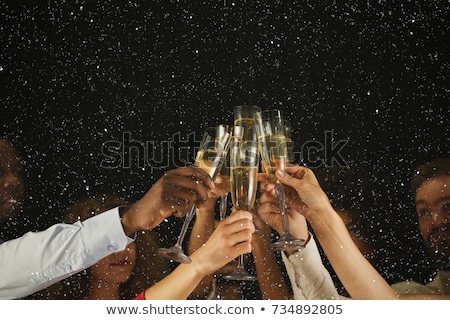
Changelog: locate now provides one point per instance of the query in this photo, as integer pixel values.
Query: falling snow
(78, 75)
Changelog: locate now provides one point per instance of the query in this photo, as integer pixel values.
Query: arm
(173, 194)
(40, 259)
(203, 228)
(270, 278)
(231, 238)
(309, 277)
(360, 279)
(37, 260)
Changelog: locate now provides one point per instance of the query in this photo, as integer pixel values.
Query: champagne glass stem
(223, 206)
(176, 251)
(241, 261)
(187, 221)
(286, 240)
(279, 190)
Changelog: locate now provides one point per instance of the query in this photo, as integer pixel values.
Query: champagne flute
(210, 157)
(244, 116)
(274, 156)
(244, 161)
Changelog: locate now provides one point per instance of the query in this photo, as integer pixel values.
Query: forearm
(204, 226)
(359, 277)
(178, 285)
(39, 259)
(181, 282)
(270, 279)
(201, 231)
(309, 278)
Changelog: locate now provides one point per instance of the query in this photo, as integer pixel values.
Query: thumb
(288, 179)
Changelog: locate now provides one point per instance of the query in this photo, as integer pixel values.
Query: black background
(77, 76)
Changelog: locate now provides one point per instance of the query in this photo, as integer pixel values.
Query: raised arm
(359, 277)
(204, 226)
(39, 259)
(309, 278)
(271, 281)
(231, 238)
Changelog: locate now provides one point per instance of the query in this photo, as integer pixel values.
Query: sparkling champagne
(210, 161)
(244, 181)
(249, 127)
(274, 153)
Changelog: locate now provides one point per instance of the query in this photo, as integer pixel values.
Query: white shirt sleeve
(39, 259)
(309, 278)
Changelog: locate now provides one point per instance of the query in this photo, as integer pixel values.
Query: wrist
(207, 207)
(322, 218)
(199, 266)
(124, 215)
(205, 216)
(294, 251)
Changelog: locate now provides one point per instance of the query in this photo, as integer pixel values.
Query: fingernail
(280, 173)
(301, 174)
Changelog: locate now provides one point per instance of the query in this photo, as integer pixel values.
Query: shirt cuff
(104, 234)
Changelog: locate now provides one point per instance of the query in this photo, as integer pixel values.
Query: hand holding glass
(274, 156)
(244, 161)
(210, 157)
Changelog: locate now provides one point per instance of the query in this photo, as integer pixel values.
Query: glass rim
(279, 112)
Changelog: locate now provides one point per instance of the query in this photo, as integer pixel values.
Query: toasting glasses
(273, 147)
(210, 157)
(244, 161)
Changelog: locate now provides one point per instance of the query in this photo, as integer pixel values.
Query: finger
(287, 179)
(219, 179)
(222, 186)
(176, 206)
(180, 191)
(303, 173)
(242, 235)
(243, 248)
(186, 186)
(267, 196)
(254, 209)
(196, 173)
(222, 180)
(238, 215)
(263, 177)
(269, 207)
(267, 187)
(260, 224)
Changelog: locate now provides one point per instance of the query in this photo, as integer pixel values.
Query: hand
(263, 228)
(222, 187)
(269, 209)
(231, 238)
(308, 197)
(173, 194)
